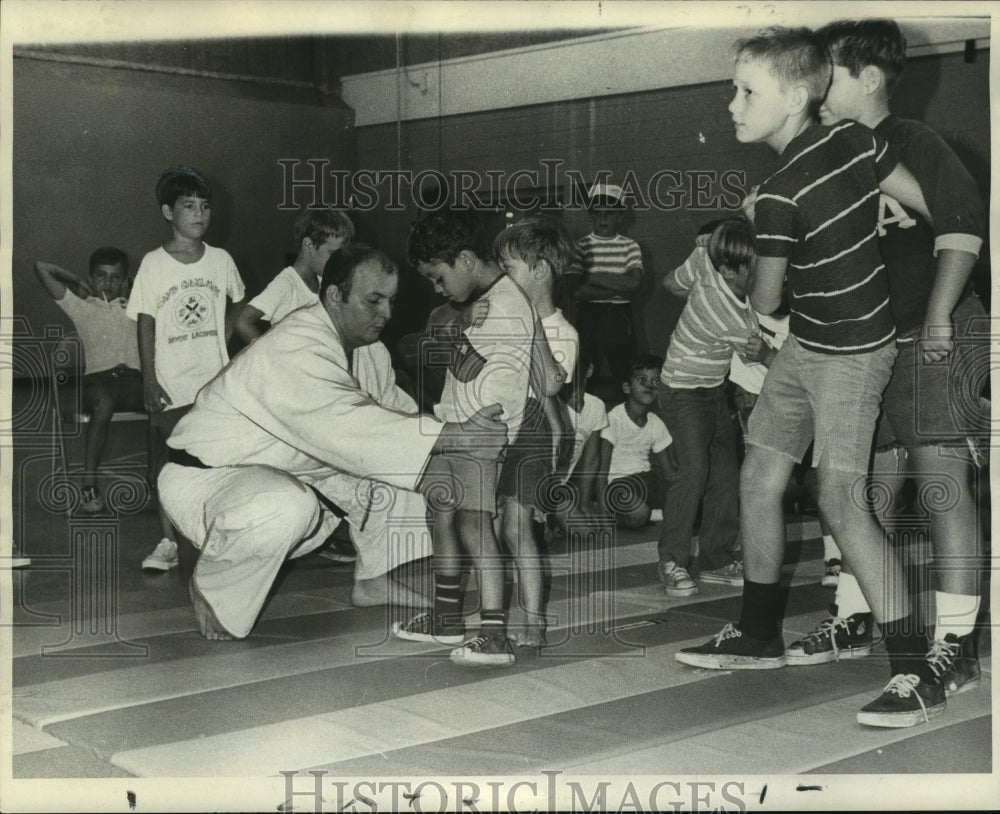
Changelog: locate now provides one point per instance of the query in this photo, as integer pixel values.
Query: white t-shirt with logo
(188, 302)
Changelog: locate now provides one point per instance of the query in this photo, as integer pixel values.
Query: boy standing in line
(180, 302)
(941, 354)
(111, 379)
(612, 274)
(534, 254)
(816, 220)
(490, 364)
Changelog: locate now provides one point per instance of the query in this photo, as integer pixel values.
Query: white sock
(830, 550)
(849, 598)
(956, 613)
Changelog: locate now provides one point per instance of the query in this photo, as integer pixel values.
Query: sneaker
(954, 661)
(905, 701)
(485, 650)
(732, 649)
(163, 558)
(421, 628)
(91, 502)
(676, 580)
(835, 638)
(832, 575)
(731, 574)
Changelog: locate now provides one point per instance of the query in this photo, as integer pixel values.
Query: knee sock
(830, 549)
(849, 599)
(448, 600)
(907, 647)
(761, 609)
(956, 613)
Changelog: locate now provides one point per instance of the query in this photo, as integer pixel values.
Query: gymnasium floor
(110, 678)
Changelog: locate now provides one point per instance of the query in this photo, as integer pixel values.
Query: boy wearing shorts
(933, 418)
(490, 363)
(111, 378)
(180, 302)
(534, 254)
(816, 222)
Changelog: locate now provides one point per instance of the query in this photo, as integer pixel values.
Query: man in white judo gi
(305, 424)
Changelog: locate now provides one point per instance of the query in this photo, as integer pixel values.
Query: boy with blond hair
(816, 221)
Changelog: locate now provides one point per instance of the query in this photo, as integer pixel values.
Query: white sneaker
(163, 558)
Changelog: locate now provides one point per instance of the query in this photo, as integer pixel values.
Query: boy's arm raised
(55, 280)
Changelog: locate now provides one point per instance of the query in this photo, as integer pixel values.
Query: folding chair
(65, 378)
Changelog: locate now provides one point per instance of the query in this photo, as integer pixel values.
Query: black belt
(182, 457)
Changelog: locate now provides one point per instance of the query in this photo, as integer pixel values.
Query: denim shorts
(940, 402)
(831, 398)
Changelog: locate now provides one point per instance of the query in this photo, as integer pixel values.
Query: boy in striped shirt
(817, 223)
(716, 321)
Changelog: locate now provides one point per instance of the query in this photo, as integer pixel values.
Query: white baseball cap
(612, 192)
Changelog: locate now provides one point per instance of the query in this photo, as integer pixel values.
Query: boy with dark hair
(112, 381)
(318, 233)
(816, 222)
(490, 362)
(717, 321)
(534, 254)
(612, 274)
(942, 354)
(628, 485)
(181, 304)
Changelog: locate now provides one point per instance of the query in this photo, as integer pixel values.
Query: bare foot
(382, 590)
(208, 624)
(528, 637)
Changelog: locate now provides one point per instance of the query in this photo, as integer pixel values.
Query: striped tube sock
(448, 602)
(492, 621)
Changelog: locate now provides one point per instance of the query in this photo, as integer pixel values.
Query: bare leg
(763, 479)
(208, 624)
(389, 588)
(530, 573)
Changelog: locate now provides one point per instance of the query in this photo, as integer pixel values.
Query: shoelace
(828, 627)
(420, 623)
(942, 655)
(905, 684)
(728, 632)
(476, 644)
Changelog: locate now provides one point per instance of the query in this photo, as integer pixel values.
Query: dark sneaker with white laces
(835, 638)
(488, 649)
(954, 661)
(905, 701)
(832, 574)
(732, 649)
(421, 628)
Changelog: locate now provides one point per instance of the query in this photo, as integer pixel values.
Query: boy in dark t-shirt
(933, 416)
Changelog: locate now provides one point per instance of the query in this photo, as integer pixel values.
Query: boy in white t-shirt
(634, 440)
(181, 304)
(318, 234)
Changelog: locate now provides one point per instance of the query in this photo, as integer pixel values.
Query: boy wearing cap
(612, 273)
